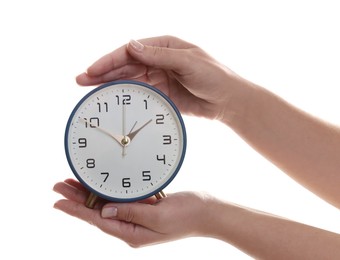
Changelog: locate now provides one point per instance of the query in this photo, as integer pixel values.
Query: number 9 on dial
(125, 141)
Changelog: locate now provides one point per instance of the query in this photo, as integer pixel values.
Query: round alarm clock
(125, 141)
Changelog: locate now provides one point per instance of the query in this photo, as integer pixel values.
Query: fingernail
(136, 45)
(109, 212)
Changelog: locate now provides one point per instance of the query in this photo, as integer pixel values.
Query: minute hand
(133, 134)
(117, 138)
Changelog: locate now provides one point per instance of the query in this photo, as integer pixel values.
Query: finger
(151, 200)
(79, 210)
(142, 214)
(159, 57)
(168, 42)
(110, 61)
(121, 57)
(76, 184)
(130, 71)
(134, 235)
(71, 192)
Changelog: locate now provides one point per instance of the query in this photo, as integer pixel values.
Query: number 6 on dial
(125, 141)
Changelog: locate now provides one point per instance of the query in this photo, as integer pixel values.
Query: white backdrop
(290, 47)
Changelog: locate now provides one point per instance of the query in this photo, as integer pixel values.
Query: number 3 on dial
(125, 141)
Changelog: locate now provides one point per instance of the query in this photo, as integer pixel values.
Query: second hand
(124, 140)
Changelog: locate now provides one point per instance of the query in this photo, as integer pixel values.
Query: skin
(304, 147)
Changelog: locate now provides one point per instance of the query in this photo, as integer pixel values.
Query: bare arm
(258, 234)
(264, 236)
(304, 147)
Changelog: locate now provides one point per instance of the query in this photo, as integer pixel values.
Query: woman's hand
(141, 223)
(197, 83)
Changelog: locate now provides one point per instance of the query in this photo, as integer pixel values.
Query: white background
(289, 47)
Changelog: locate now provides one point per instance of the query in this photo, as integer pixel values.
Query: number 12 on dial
(125, 141)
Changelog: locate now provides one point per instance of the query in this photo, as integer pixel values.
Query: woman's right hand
(197, 83)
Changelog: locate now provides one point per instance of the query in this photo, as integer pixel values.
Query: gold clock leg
(160, 195)
(91, 200)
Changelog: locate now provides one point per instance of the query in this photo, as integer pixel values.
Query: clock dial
(125, 141)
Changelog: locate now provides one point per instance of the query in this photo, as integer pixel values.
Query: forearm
(265, 236)
(304, 147)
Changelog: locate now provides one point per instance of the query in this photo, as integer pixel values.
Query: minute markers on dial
(122, 113)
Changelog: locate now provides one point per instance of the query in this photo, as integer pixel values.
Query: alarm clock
(125, 141)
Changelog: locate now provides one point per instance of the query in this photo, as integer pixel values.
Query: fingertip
(56, 187)
(81, 79)
(71, 181)
(158, 56)
(93, 70)
(109, 211)
(135, 46)
(57, 204)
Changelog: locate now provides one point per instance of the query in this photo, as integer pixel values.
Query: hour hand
(117, 138)
(131, 135)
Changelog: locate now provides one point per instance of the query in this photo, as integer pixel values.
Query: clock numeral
(103, 107)
(93, 122)
(90, 163)
(82, 142)
(106, 174)
(146, 104)
(159, 119)
(166, 139)
(161, 158)
(125, 100)
(126, 183)
(146, 175)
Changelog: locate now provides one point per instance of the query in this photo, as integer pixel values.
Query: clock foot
(160, 195)
(91, 200)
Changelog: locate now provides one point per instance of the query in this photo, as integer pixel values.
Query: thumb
(137, 213)
(156, 56)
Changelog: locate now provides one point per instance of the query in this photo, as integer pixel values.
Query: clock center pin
(125, 141)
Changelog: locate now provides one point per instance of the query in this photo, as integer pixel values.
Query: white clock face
(125, 141)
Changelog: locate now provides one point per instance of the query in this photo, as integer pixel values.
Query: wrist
(235, 108)
(216, 217)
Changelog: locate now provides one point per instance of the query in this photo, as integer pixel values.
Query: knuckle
(157, 51)
(129, 215)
